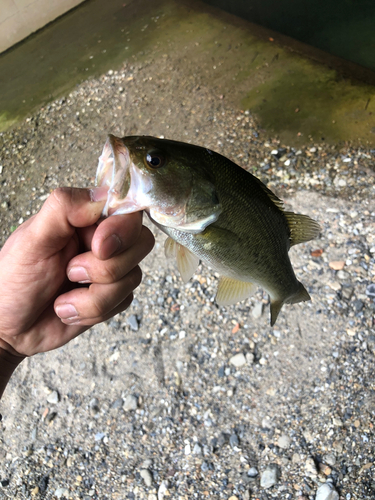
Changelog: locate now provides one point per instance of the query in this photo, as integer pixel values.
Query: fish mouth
(117, 172)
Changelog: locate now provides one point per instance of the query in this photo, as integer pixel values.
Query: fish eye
(155, 159)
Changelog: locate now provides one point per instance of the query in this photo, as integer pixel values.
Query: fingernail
(66, 311)
(79, 274)
(110, 246)
(99, 193)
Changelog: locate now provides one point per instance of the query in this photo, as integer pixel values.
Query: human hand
(43, 305)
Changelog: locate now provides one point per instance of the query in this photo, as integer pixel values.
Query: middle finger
(86, 268)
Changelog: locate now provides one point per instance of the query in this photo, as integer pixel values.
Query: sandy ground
(179, 398)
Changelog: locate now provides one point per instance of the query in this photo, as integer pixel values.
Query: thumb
(64, 210)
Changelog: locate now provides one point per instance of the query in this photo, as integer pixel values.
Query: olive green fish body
(213, 210)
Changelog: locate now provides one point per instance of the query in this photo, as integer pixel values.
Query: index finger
(115, 234)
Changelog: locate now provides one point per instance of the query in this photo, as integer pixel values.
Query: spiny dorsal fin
(231, 291)
(279, 203)
(302, 228)
(187, 262)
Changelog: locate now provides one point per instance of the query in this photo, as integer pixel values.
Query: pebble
(132, 321)
(310, 467)
(370, 291)
(329, 459)
(326, 492)
(146, 476)
(238, 360)
(257, 310)
(252, 472)
(94, 406)
(270, 476)
(234, 441)
(62, 492)
(53, 398)
(284, 441)
(117, 404)
(197, 450)
(130, 403)
(337, 265)
(163, 490)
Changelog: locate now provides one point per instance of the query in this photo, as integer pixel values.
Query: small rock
(132, 321)
(234, 441)
(257, 310)
(252, 472)
(163, 490)
(337, 421)
(307, 435)
(283, 441)
(146, 464)
(337, 265)
(342, 275)
(326, 492)
(94, 406)
(130, 403)
(296, 458)
(147, 477)
(310, 467)
(238, 360)
(205, 467)
(370, 291)
(197, 450)
(270, 476)
(347, 292)
(329, 459)
(53, 398)
(99, 436)
(62, 492)
(250, 358)
(117, 404)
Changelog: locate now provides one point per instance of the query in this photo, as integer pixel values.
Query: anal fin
(187, 262)
(231, 291)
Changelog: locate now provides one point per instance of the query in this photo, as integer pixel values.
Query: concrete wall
(20, 18)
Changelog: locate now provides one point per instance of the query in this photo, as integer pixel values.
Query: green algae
(290, 95)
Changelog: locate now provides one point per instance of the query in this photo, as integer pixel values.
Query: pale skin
(63, 271)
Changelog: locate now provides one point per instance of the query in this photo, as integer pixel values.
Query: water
(343, 28)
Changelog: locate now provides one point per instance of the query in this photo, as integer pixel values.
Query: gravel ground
(177, 398)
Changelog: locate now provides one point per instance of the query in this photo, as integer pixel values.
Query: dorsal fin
(279, 203)
(302, 228)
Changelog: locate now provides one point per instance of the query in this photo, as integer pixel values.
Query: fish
(213, 211)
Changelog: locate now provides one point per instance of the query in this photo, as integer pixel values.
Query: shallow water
(345, 29)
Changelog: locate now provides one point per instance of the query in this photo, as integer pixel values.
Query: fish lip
(113, 167)
(128, 185)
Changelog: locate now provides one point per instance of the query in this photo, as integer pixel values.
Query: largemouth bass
(211, 210)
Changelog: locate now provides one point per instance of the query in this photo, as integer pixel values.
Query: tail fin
(301, 295)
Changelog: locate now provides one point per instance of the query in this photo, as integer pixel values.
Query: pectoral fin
(231, 291)
(187, 262)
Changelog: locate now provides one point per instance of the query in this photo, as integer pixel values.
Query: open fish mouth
(117, 172)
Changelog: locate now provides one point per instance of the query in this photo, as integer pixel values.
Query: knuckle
(100, 306)
(135, 277)
(61, 195)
